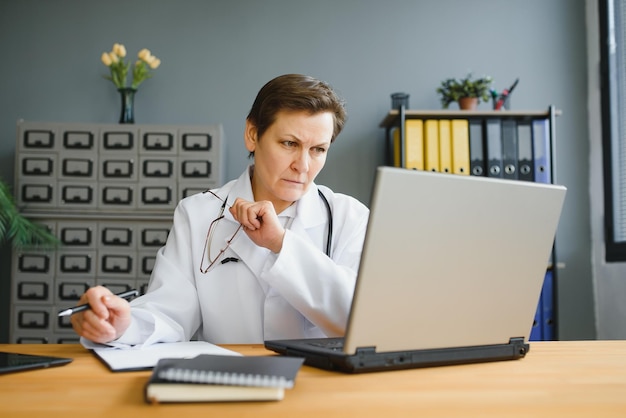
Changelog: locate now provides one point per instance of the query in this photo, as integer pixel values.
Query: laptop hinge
(519, 342)
(364, 351)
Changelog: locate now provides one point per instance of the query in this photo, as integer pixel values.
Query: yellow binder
(414, 158)
(396, 148)
(445, 147)
(413, 145)
(431, 145)
(460, 147)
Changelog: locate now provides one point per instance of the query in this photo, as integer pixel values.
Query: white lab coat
(297, 293)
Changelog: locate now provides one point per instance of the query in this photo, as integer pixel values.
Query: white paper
(146, 357)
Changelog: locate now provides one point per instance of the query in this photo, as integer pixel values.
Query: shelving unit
(394, 124)
(396, 117)
(108, 192)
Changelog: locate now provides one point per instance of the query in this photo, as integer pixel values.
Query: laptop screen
(451, 260)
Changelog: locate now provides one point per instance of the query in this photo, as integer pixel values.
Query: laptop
(451, 272)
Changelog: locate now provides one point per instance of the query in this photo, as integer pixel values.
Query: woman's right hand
(107, 319)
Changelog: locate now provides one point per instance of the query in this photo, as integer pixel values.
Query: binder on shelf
(541, 150)
(476, 147)
(536, 332)
(460, 146)
(396, 148)
(413, 145)
(547, 307)
(431, 145)
(493, 144)
(445, 146)
(509, 149)
(525, 163)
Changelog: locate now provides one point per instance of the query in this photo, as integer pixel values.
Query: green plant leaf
(451, 89)
(18, 230)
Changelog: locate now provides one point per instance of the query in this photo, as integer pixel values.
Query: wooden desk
(573, 379)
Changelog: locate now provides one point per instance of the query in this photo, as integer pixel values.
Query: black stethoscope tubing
(329, 237)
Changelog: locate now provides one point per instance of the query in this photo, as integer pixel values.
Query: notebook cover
(210, 378)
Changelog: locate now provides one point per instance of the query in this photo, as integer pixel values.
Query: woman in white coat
(270, 255)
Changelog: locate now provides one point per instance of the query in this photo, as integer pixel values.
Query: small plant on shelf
(457, 90)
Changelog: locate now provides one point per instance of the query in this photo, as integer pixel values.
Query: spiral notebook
(215, 378)
(451, 272)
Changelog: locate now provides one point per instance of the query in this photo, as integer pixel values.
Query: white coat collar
(309, 210)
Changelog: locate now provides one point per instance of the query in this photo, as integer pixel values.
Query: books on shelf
(431, 145)
(445, 146)
(215, 378)
(493, 143)
(476, 148)
(541, 151)
(514, 148)
(525, 151)
(413, 145)
(509, 149)
(460, 141)
(543, 324)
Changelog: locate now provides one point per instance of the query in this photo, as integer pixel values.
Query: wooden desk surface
(573, 379)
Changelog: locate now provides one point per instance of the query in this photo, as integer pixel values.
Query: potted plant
(466, 91)
(18, 230)
(118, 70)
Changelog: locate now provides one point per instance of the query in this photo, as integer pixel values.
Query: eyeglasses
(206, 251)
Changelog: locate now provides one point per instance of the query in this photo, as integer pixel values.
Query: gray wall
(217, 54)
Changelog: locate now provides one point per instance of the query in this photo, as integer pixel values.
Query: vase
(501, 102)
(128, 104)
(399, 99)
(468, 103)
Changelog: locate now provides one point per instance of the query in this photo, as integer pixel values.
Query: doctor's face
(289, 156)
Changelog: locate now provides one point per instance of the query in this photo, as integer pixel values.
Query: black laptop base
(368, 360)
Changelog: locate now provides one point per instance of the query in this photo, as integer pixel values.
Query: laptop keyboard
(335, 344)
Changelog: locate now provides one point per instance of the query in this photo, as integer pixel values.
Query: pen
(513, 86)
(71, 311)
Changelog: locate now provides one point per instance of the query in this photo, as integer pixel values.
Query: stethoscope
(329, 237)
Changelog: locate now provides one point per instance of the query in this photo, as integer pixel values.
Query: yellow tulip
(155, 63)
(106, 60)
(113, 57)
(144, 54)
(118, 67)
(119, 50)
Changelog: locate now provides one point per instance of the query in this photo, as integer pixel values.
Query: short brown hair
(296, 92)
